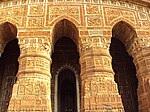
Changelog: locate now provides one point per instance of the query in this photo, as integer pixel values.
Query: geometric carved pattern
(55, 12)
(16, 14)
(93, 9)
(35, 18)
(93, 15)
(139, 44)
(112, 14)
(94, 21)
(36, 10)
(143, 20)
(33, 86)
(35, 22)
(94, 42)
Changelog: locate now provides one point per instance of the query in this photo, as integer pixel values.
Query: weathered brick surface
(96, 22)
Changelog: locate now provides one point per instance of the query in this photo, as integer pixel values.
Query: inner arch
(125, 33)
(8, 32)
(65, 28)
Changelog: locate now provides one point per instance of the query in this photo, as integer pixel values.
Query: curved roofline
(144, 2)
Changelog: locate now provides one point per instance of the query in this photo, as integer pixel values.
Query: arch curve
(125, 32)
(65, 28)
(67, 66)
(76, 73)
(8, 31)
(74, 21)
(115, 21)
(9, 20)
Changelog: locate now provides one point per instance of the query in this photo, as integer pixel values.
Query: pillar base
(30, 95)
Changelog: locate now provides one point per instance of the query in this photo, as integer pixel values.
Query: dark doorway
(125, 75)
(67, 98)
(8, 70)
(65, 54)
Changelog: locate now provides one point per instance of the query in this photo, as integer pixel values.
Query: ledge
(144, 2)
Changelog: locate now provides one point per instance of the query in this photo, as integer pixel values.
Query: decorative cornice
(146, 2)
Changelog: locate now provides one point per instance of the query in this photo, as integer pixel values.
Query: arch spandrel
(69, 18)
(14, 21)
(128, 21)
(17, 21)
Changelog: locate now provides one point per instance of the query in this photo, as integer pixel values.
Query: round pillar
(140, 50)
(98, 88)
(142, 63)
(32, 89)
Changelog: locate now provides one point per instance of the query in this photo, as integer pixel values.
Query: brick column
(98, 89)
(31, 92)
(140, 51)
(142, 63)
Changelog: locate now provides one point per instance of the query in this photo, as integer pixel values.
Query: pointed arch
(123, 36)
(65, 28)
(125, 32)
(8, 32)
(115, 21)
(76, 74)
(9, 20)
(69, 18)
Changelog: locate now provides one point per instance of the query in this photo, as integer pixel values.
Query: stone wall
(95, 19)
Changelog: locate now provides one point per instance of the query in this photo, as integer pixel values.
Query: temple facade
(74, 56)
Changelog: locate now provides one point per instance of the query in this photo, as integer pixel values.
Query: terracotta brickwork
(34, 24)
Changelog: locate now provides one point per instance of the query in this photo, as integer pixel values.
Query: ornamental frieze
(33, 86)
(55, 12)
(139, 44)
(40, 23)
(93, 9)
(16, 15)
(112, 14)
(36, 10)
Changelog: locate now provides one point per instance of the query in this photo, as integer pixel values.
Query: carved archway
(124, 32)
(65, 56)
(8, 32)
(65, 28)
(75, 72)
(123, 36)
(8, 62)
(65, 17)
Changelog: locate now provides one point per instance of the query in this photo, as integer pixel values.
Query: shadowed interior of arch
(125, 75)
(123, 35)
(124, 32)
(65, 28)
(67, 97)
(10, 52)
(8, 70)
